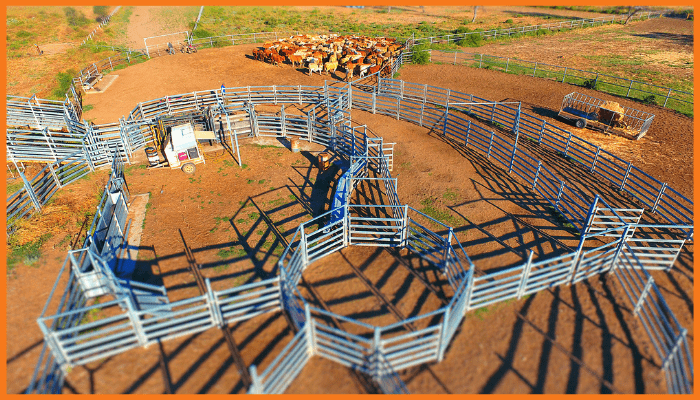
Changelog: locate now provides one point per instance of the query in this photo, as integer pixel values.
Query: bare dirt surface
(144, 23)
(578, 339)
(665, 152)
(670, 51)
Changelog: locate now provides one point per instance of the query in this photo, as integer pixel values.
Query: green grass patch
(449, 195)
(430, 209)
(27, 254)
(231, 252)
(14, 187)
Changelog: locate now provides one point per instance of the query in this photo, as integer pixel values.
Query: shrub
(101, 12)
(23, 34)
(509, 21)
(474, 40)
(64, 80)
(221, 42)
(542, 32)
(651, 99)
(590, 84)
(420, 55)
(74, 17)
(201, 33)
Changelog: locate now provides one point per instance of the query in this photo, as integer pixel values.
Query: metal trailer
(584, 109)
(182, 150)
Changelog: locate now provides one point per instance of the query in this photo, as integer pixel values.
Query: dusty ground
(580, 339)
(609, 49)
(145, 22)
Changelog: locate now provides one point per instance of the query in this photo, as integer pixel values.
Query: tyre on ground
(188, 168)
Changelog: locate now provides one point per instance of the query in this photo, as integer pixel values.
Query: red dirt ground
(579, 338)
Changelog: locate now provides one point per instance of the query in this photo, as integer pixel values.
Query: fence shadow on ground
(574, 350)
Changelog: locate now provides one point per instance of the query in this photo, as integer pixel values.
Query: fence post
(516, 130)
(376, 349)
(667, 96)
(346, 226)
(507, 62)
(493, 111)
(537, 175)
(623, 241)
(627, 174)
(539, 139)
(576, 260)
(305, 255)
(444, 122)
(256, 385)
(213, 304)
(481, 59)
(488, 154)
(442, 340)
(643, 295)
(469, 127)
(398, 107)
(374, 102)
(136, 323)
(589, 216)
(310, 332)
(526, 273)
(535, 70)
(564, 77)
(568, 142)
(595, 159)
(629, 89)
(55, 178)
(404, 230)
(561, 190)
(658, 197)
(282, 120)
(30, 191)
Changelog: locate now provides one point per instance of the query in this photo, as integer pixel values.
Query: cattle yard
(447, 221)
(359, 55)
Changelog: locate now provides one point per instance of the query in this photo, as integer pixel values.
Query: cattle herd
(361, 55)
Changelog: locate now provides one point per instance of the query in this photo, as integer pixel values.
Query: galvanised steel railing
(417, 346)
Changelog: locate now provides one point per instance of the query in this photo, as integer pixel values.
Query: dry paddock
(579, 338)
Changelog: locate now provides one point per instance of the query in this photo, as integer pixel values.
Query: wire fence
(103, 23)
(522, 30)
(665, 96)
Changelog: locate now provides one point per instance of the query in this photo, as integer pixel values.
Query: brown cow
(295, 58)
(276, 59)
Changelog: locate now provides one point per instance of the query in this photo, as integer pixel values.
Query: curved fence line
(399, 351)
(677, 209)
